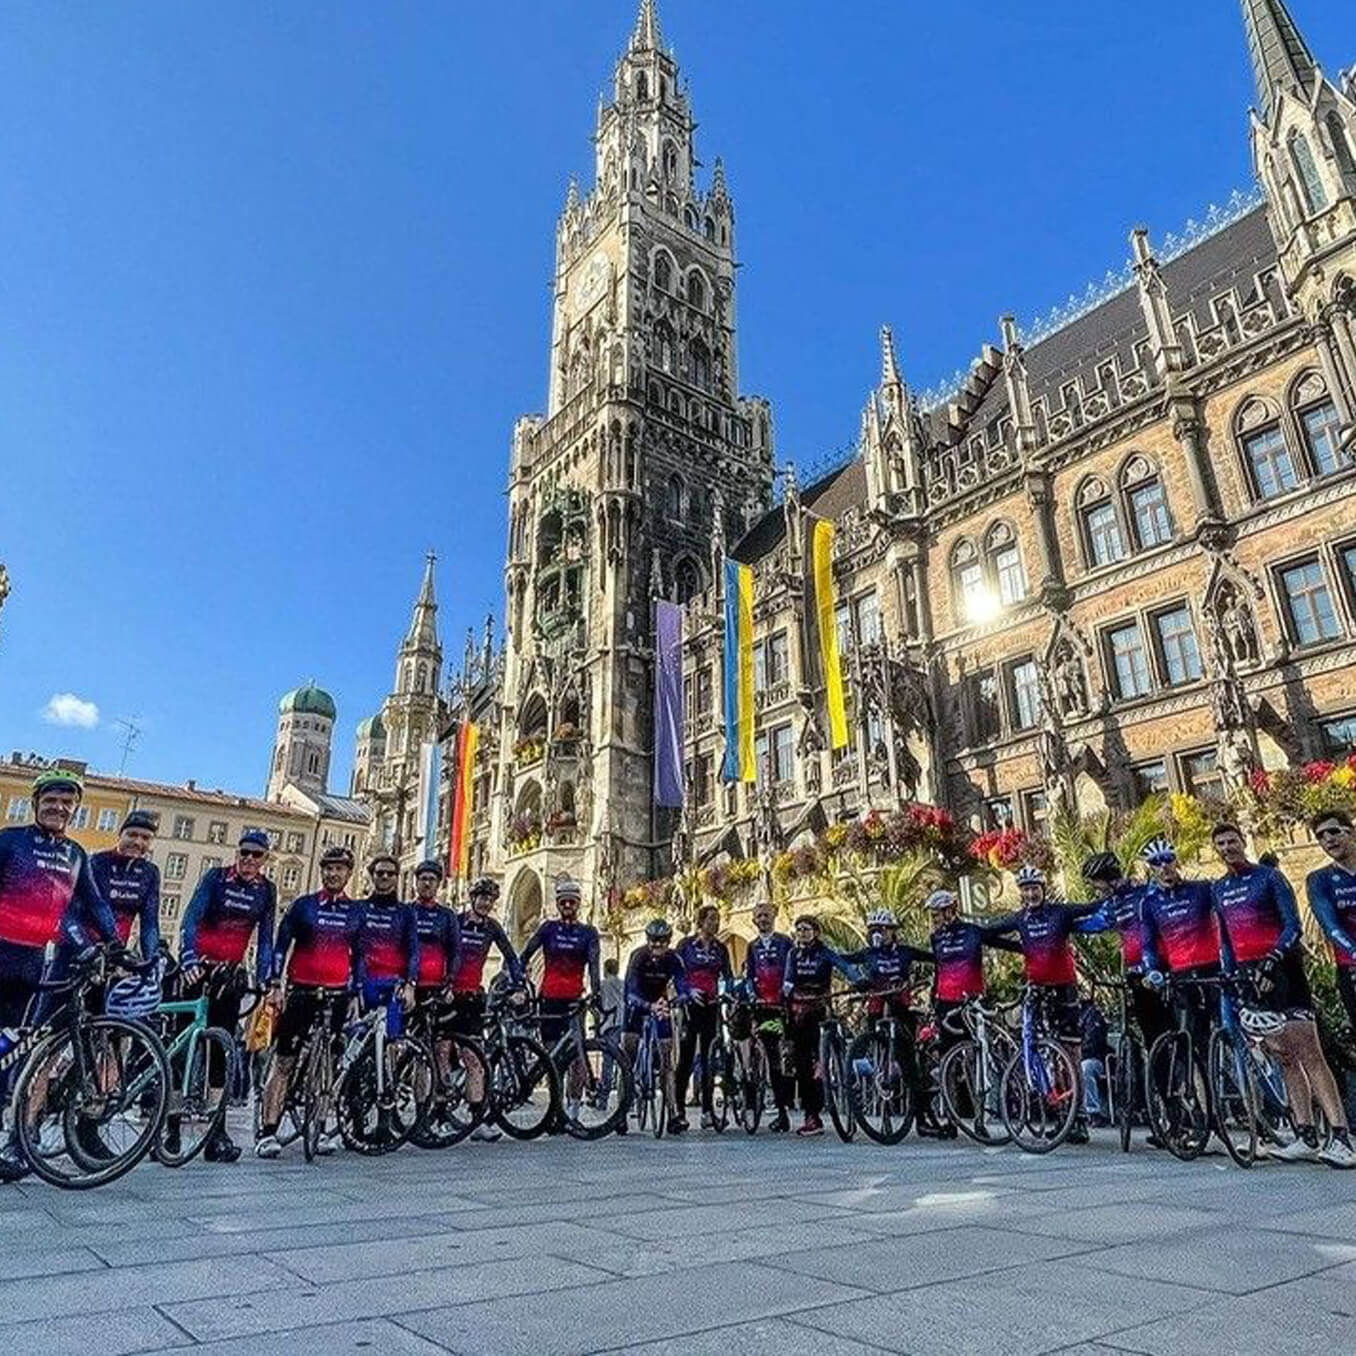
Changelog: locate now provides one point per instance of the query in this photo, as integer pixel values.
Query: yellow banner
(748, 766)
(824, 604)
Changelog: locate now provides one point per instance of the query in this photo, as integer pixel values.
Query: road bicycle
(833, 1064)
(1127, 1062)
(451, 1114)
(1180, 1106)
(1038, 1094)
(653, 1069)
(750, 1072)
(883, 1071)
(594, 1073)
(383, 1082)
(970, 1074)
(523, 1089)
(90, 1099)
(724, 1073)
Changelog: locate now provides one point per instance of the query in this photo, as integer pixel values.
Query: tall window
(1339, 736)
(108, 821)
(1007, 563)
(1315, 199)
(1025, 688)
(216, 831)
(1273, 467)
(696, 290)
(701, 779)
(1347, 557)
(1201, 775)
(183, 826)
(80, 819)
(1129, 662)
(1177, 645)
(674, 497)
(1308, 603)
(1341, 148)
(987, 713)
(176, 865)
(774, 753)
(663, 273)
(1149, 777)
(777, 658)
(970, 582)
(1103, 531)
(19, 807)
(866, 617)
(1149, 514)
(1322, 426)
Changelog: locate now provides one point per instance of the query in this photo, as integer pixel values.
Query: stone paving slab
(771, 1337)
(118, 1333)
(377, 1337)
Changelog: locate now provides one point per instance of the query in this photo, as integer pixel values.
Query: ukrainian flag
(739, 760)
(821, 626)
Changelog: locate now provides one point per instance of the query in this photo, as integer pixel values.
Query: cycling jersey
(809, 971)
(388, 942)
(765, 966)
(568, 949)
(131, 885)
(439, 932)
(322, 930)
(706, 964)
(648, 977)
(1120, 913)
(887, 967)
(1043, 934)
(223, 913)
(958, 959)
(1332, 897)
(477, 935)
(1180, 928)
(1256, 908)
(46, 886)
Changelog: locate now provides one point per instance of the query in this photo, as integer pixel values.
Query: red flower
(1319, 771)
(1260, 781)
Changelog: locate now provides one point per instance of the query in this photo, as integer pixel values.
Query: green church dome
(308, 700)
(371, 728)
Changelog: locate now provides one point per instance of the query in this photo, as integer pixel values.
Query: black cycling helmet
(429, 868)
(1103, 868)
(140, 819)
(336, 856)
(658, 930)
(485, 888)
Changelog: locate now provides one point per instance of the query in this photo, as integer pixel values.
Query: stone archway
(525, 906)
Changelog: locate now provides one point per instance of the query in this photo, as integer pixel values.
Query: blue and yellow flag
(821, 626)
(740, 765)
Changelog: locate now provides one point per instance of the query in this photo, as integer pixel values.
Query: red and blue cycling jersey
(439, 932)
(1120, 912)
(46, 887)
(322, 931)
(809, 972)
(388, 942)
(1257, 910)
(958, 959)
(477, 935)
(648, 976)
(1332, 897)
(224, 913)
(1181, 931)
(131, 885)
(568, 950)
(707, 963)
(1043, 933)
(765, 966)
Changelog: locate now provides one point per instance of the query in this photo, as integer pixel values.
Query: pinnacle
(889, 365)
(1280, 56)
(647, 37)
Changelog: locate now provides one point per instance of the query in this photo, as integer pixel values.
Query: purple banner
(668, 704)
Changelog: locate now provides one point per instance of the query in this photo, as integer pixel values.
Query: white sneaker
(1337, 1155)
(329, 1143)
(1297, 1151)
(487, 1133)
(267, 1146)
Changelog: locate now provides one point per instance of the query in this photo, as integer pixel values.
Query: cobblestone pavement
(710, 1244)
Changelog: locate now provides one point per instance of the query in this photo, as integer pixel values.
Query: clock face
(593, 284)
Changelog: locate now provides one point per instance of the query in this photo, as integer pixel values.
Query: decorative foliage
(1283, 799)
(524, 832)
(565, 733)
(529, 749)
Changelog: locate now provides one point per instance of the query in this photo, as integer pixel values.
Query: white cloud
(66, 708)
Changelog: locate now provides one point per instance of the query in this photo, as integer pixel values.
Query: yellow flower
(1344, 775)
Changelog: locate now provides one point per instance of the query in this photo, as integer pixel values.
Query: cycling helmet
(939, 900)
(254, 838)
(136, 996)
(569, 888)
(57, 779)
(485, 888)
(429, 868)
(881, 918)
(658, 930)
(1261, 1023)
(140, 819)
(1029, 875)
(1159, 852)
(1103, 868)
(336, 856)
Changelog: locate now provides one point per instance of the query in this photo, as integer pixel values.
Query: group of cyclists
(334, 955)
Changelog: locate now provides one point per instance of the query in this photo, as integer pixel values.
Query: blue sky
(274, 285)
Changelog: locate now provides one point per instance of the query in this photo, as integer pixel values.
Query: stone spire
(423, 632)
(647, 37)
(1280, 56)
(889, 365)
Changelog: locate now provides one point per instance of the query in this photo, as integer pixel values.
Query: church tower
(301, 747)
(647, 453)
(1303, 134)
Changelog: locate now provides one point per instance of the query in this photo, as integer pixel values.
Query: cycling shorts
(304, 1003)
(555, 1018)
(1288, 992)
(468, 1015)
(1061, 1010)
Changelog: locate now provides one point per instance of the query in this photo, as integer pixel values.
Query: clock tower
(646, 462)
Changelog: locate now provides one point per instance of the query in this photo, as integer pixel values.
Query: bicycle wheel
(597, 1089)
(1179, 1100)
(524, 1086)
(877, 1090)
(719, 1092)
(317, 1093)
(1234, 1097)
(970, 1094)
(90, 1102)
(1123, 1088)
(835, 1075)
(662, 1104)
(377, 1119)
(197, 1108)
(750, 1075)
(289, 1127)
(1038, 1097)
(452, 1116)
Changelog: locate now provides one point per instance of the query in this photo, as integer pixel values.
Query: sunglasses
(384, 871)
(253, 852)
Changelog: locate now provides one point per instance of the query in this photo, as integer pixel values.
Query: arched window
(669, 162)
(696, 290)
(1185, 341)
(655, 394)
(663, 338)
(674, 498)
(642, 87)
(423, 678)
(687, 580)
(1099, 523)
(1319, 425)
(971, 599)
(690, 217)
(675, 404)
(663, 272)
(1270, 464)
(710, 229)
(1341, 147)
(701, 365)
(1146, 503)
(1315, 199)
(696, 506)
(1003, 556)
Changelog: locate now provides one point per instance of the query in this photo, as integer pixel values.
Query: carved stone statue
(680, 849)
(1236, 625)
(811, 742)
(1237, 758)
(1068, 680)
(767, 824)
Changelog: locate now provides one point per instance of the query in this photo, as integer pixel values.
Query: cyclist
(388, 944)
(1332, 897)
(569, 948)
(958, 961)
(479, 932)
(130, 882)
(47, 893)
(316, 945)
(706, 960)
(764, 970)
(232, 905)
(439, 931)
(805, 986)
(885, 964)
(1260, 934)
(1043, 928)
(650, 972)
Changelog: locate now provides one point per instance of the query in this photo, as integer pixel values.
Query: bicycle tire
(1181, 1116)
(718, 1085)
(190, 1089)
(660, 1124)
(603, 1050)
(877, 1091)
(965, 1095)
(150, 1074)
(1040, 1121)
(1127, 1056)
(452, 1116)
(835, 1075)
(375, 1126)
(753, 1087)
(1234, 1097)
(519, 1072)
(317, 1093)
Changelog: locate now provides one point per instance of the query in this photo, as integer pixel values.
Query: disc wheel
(198, 1109)
(525, 1087)
(1039, 1104)
(878, 1089)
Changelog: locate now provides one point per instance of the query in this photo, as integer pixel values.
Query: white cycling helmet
(1159, 852)
(136, 996)
(939, 900)
(881, 918)
(1030, 875)
(1261, 1023)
